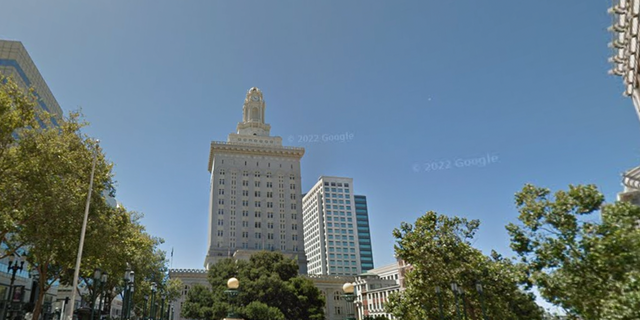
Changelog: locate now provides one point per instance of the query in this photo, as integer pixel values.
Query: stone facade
(331, 289)
(189, 277)
(255, 199)
(374, 288)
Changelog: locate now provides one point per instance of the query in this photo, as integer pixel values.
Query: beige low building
(374, 288)
(331, 288)
(189, 278)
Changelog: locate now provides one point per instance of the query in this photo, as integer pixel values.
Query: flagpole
(76, 272)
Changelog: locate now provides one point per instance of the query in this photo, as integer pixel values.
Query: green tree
(270, 288)
(17, 112)
(586, 263)
(439, 251)
(53, 177)
(44, 178)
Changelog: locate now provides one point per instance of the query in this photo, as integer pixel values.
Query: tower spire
(253, 111)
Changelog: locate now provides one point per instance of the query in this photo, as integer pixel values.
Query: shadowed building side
(16, 63)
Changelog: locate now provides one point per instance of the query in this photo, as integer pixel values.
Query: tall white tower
(255, 199)
(331, 228)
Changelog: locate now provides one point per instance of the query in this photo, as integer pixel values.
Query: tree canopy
(270, 289)
(44, 177)
(586, 263)
(439, 251)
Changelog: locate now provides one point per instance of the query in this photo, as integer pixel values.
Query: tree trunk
(43, 287)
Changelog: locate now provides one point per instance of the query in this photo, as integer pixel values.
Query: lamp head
(105, 277)
(132, 276)
(233, 283)
(348, 287)
(97, 274)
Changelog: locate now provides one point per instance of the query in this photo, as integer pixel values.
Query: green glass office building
(364, 234)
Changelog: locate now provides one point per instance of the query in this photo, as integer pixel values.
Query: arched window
(254, 114)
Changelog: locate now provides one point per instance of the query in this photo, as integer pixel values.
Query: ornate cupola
(253, 111)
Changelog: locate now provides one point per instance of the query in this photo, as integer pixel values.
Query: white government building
(256, 204)
(255, 200)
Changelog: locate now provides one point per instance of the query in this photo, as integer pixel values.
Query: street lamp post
(14, 267)
(97, 275)
(481, 294)
(349, 296)
(125, 291)
(144, 308)
(164, 296)
(464, 302)
(103, 281)
(232, 293)
(76, 273)
(439, 293)
(154, 288)
(107, 301)
(130, 296)
(454, 288)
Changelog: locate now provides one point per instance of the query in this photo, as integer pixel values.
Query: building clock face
(255, 98)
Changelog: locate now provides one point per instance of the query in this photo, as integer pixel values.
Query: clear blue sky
(414, 82)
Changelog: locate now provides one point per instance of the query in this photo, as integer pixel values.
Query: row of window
(260, 245)
(257, 174)
(326, 189)
(336, 184)
(258, 235)
(258, 214)
(338, 201)
(269, 184)
(339, 196)
(258, 224)
(257, 204)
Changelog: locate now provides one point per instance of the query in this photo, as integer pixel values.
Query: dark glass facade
(364, 234)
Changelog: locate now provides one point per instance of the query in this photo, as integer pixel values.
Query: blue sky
(412, 82)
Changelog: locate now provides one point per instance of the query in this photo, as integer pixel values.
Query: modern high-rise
(16, 63)
(364, 233)
(255, 199)
(331, 228)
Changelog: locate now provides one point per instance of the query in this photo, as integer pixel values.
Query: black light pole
(481, 293)
(130, 298)
(168, 309)
(164, 296)
(14, 267)
(144, 309)
(125, 291)
(454, 288)
(349, 296)
(232, 293)
(439, 293)
(464, 302)
(107, 301)
(154, 288)
(103, 281)
(97, 274)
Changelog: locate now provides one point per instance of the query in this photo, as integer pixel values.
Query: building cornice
(242, 149)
